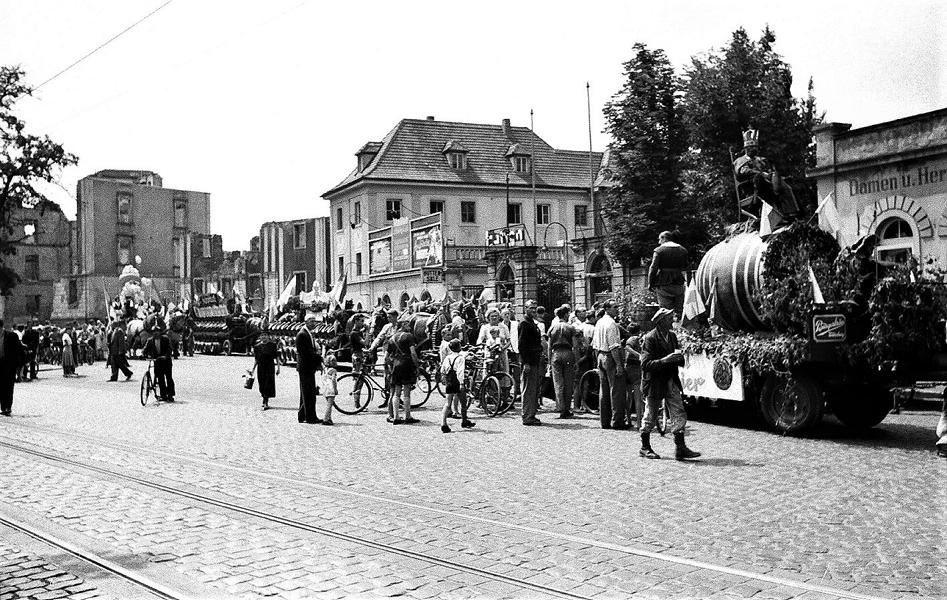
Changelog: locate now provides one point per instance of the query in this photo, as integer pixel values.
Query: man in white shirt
(607, 343)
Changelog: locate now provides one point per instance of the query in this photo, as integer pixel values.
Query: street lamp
(565, 232)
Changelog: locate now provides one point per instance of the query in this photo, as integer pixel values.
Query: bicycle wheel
(491, 396)
(354, 393)
(424, 387)
(507, 391)
(589, 389)
(663, 418)
(145, 388)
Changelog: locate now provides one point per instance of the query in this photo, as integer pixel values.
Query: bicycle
(149, 386)
(356, 390)
(589, 392)
(491, 388)
(86, 354)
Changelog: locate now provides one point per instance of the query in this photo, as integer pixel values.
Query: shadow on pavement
(724, 462)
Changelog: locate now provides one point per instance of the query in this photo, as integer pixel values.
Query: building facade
(440, 207)
(42, 238)
(124, 214)
(293, 250)
(215, 270)
(888, 179)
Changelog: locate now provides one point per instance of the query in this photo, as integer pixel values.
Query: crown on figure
(751, 138)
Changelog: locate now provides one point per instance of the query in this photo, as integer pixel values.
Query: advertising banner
(379, 256)
(426, 247)
(507, 236)
(715, 377)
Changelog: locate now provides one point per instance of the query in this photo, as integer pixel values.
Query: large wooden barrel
(734, 269)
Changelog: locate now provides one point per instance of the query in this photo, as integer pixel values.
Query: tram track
(152, 587)
(277, 519)
(218, 464)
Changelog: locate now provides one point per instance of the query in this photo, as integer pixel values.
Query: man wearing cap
(660, 358)
(308, 361)
(531, 350)
(158, 347)
(607, 343)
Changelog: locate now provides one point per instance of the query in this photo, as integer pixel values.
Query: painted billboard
(426, 247)
(379, 256)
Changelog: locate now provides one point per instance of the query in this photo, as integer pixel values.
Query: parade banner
(426, 247)
(379, 256)
(709, 377)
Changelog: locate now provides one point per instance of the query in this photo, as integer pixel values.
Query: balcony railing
(474, 255)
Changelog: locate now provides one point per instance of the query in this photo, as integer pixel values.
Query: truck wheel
(792, 404)
(862, 407)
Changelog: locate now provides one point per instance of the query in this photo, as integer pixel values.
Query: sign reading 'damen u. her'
(923, 175)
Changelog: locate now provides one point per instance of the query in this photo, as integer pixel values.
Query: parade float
(794, 325)
(290, 313)
(217, 330)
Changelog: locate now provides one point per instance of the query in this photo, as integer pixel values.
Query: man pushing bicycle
(159, 348)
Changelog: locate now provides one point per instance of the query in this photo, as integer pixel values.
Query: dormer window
(456, 155)
(520, 159)
(366, 155)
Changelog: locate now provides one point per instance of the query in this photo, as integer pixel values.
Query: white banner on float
(716, 377)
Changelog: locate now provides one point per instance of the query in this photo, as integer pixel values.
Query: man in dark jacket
(117, 351)
(31, 341)
(531, 350)
(11, 359)
(666, 273)
(660, 357)
(159, 348)
(308, 361)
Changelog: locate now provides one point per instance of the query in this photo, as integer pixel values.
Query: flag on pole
(713, 304)
(766, 224)
(286, 293)
(816, 290)
(829, 219)
(693, 303)
(337, 293)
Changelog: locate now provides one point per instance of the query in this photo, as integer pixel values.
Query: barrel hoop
(751, 281)
(733, 279)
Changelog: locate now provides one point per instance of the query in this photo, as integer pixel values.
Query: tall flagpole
(532, 172)
(588, 104)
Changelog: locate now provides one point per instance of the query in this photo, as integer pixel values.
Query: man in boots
(660, 357)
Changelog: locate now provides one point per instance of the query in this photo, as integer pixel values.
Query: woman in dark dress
(265, 351)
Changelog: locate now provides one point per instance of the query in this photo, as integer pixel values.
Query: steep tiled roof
(412, 151)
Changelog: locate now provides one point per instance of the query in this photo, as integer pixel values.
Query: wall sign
(379, 256)
(427, 249)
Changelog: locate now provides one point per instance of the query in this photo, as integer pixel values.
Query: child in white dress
(330, 387)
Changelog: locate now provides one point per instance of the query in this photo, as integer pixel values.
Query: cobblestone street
(212, 497)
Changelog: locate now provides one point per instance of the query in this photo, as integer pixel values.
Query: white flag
(286, 293)
(766, 226)
(829, 219)
(816, 290)
(693, 303)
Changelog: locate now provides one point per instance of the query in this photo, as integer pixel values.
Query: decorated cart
(217, 331)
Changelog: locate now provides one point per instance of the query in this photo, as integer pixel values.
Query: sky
(264, 104)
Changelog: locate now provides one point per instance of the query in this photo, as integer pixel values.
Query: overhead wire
(104, 44)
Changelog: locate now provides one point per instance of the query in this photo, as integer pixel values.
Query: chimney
(507, 130)
(430, 118)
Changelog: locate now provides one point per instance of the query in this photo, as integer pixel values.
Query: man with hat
(660, 358)
(607, 344)
(308, 361)
(757, 179)
(158, 347)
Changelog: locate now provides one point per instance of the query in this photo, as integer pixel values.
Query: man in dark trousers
(531, 350)
(666, 273)
(117, 352)
(660, 358)
(308, 361)
(31, 341)
(158, 347)
(11, 359)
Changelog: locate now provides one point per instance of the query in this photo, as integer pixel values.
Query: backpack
(451, 382)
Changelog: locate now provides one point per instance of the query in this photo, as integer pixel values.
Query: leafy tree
(744, 83)
(648, 142)
(25, 161)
